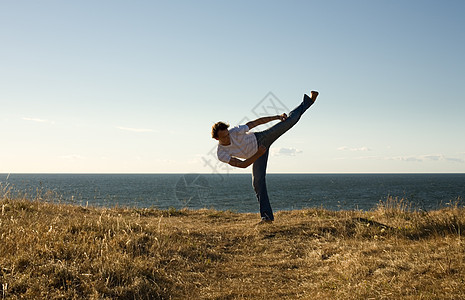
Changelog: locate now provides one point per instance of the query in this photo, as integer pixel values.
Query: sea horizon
(233, 191)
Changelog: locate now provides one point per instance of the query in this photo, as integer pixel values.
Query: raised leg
(267, 137)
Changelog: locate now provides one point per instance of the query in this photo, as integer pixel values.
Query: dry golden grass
(58, 251)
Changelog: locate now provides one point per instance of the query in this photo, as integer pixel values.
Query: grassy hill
(59, 251)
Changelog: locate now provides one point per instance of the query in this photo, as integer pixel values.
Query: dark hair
(217, 127)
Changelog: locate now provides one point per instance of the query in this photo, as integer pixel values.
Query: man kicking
(240, 148)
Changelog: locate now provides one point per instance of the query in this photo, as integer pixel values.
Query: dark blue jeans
(266, 138)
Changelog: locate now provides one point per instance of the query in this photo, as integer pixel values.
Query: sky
(135, 86)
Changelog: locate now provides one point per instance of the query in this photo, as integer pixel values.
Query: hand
(283, 117)
(261, 149)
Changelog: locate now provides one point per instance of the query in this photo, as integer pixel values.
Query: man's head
(220, 132)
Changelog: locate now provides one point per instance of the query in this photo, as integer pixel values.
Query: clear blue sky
(134, 86)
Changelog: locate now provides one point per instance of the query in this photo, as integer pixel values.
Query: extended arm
(235, 162)
(264, 120)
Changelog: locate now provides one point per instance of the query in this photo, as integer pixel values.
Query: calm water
(234, 191)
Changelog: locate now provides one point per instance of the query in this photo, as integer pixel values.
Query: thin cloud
(411, 158)
(286, 151)
(441, 157)
(453, 159)
(408, 158)
(433, 157)
(345, 148)
(37, 120)
(135, 129)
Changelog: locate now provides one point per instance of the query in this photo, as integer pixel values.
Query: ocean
(234, 191)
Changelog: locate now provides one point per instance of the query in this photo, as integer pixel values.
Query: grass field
(58, 251)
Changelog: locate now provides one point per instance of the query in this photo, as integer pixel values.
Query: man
(241, 148)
